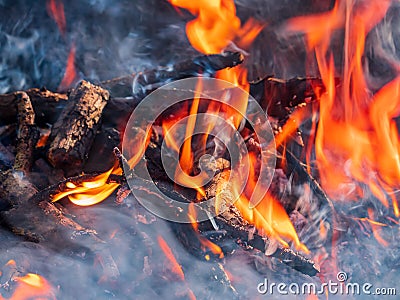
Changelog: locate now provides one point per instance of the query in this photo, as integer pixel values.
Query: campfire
(199, 150)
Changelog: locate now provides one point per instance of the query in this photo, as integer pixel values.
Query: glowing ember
(357, 139)
(31, 286)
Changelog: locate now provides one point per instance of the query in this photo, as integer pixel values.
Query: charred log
(141, 83)
(27, 134)
(73, 134)
(46, 104)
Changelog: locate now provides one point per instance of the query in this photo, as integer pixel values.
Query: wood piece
(73, 133)
(46, 104)
(27, 133)
(141, 83)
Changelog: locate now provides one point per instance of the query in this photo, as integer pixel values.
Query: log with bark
(73, 134)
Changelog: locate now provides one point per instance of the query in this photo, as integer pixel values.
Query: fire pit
(199, 150)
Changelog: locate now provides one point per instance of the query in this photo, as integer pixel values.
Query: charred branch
(143, 82)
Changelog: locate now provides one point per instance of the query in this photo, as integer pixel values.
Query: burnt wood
(143, 82)
(72, 135)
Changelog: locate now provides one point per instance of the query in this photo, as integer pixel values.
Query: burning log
(140, 83)
(246, 234)
(36, 219)
(73, 133)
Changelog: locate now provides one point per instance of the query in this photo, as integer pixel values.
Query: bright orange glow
(376, 228)
(90, 192)
(291, 125)
(43, 138)
(356, 139)
(97, 189)
(186, 160)
(70, 74)
(169, 141)
(322, 230)
(206, 243)
(32, 286)
(215, 27)
(55, 9)
(268, 215)
(175, 266)
(11, 262)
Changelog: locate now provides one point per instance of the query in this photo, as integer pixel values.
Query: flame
(290, 127)
(216, 24)
(206, 243)
(175, 266)
(356, 130)
(90, 192)
(323, 232)
(55, 9)
(268, 216)
(215, 27)
(376, 228)
(97, 189)
(11, 262)
(70, 74)
(32, 286)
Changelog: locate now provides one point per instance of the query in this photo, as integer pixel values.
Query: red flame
(55, 9)
(70, 74)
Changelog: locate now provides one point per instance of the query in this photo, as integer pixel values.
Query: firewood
(278, 96)
(46, 104)
(140, 83)
(73, 134)
(27, 133)
(34, 220)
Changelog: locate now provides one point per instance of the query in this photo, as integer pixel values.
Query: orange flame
(268, 215)
(90, 192)
(206, 243)
(357, 139)
(55, 9)
(215, 27)
(32, 286)
(70, 74)
(97, 189)
(376, 228)
(175, 266)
